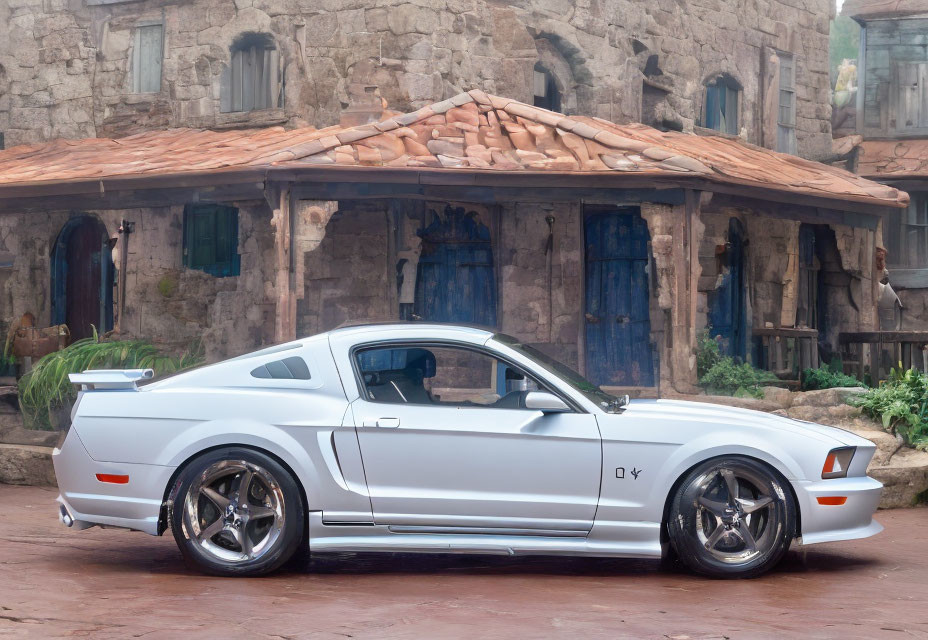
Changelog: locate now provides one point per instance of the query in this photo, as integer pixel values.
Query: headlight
(837, 462)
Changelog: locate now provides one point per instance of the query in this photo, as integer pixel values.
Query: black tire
(271, 515)
(748, 535)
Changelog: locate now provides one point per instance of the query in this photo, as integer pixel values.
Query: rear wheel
(732, 517)
(236, 511)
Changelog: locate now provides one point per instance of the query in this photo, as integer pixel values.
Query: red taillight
(834, 501)
(112, 478)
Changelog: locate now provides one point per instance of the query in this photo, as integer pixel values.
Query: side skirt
(642, 543)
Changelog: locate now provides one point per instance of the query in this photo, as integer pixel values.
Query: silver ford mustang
(436, 438)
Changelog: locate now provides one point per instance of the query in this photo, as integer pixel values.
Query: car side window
(443, 376)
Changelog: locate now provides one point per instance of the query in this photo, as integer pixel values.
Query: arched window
(720, 111)
(254, 78)
(547, 95)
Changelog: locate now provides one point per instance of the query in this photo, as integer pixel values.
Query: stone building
(892, 147)
(108, 68)
(608, 246)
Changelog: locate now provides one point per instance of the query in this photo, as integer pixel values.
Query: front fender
(626, 497)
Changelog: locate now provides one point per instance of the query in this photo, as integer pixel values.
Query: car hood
(716, 414)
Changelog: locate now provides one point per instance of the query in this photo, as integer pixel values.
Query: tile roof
(874, 9)
(881, 159)
(469, 132)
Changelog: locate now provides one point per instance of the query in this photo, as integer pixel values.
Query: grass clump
(46, 388)
(900, 403)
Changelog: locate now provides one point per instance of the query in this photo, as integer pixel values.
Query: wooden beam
(483, 194)
(442, 177)
(135, 198)
(802, 212)
(279, 198)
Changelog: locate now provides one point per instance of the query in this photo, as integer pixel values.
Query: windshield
(593, 393)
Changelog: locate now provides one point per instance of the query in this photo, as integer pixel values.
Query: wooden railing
(876, 352)
(787, 351)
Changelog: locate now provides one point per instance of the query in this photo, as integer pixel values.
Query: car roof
(424, 328)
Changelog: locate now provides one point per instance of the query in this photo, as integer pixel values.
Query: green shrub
(740, 380)
(900, 403)
(828, 377)
(721, 375)
(707, 353)
(46, 387)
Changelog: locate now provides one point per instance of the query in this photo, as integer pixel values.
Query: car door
(457, 452)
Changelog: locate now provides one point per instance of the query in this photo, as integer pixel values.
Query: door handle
(385, 423)
(591, 318)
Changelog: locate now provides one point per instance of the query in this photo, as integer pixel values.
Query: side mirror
(545, 402)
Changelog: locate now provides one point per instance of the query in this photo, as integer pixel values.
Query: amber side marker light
(834, 501)
(112, 478)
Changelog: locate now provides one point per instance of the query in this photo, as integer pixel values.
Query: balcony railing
(787, 351)
(874, 353)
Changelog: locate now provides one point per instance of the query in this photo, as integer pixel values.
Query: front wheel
(732, 517)
(236, 511)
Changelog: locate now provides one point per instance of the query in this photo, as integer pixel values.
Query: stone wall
(66, 67)
(174, 306)
(843, 254)
(346, 277)
(539, 307)
(773, 270)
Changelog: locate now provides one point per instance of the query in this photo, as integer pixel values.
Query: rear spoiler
(110, 378)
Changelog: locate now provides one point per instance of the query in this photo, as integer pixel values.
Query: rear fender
(276, 441)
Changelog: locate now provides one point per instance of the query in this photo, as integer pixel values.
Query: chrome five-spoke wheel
(236, 512)
(734, 517)
(731, 517)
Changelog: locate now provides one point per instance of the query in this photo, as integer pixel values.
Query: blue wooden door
(618, 323)
(455, 280)
(727, 312)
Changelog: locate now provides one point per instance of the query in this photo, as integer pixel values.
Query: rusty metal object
(30, 342)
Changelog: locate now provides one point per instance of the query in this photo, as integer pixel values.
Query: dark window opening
(211, 239)
(547, 95)
(254, 78)
(906, 235)
(721, 108)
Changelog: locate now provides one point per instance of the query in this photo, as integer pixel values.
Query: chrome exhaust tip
(64, 516)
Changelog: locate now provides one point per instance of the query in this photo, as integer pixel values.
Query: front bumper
(849, 521)
(86, 501)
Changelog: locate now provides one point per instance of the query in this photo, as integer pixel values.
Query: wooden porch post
(688, 231)
(278, 197)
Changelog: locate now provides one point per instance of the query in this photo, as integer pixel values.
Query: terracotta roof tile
(468, 132)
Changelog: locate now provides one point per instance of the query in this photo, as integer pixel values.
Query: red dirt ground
(55, 582)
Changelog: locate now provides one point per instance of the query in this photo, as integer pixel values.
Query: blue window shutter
(211, 239)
